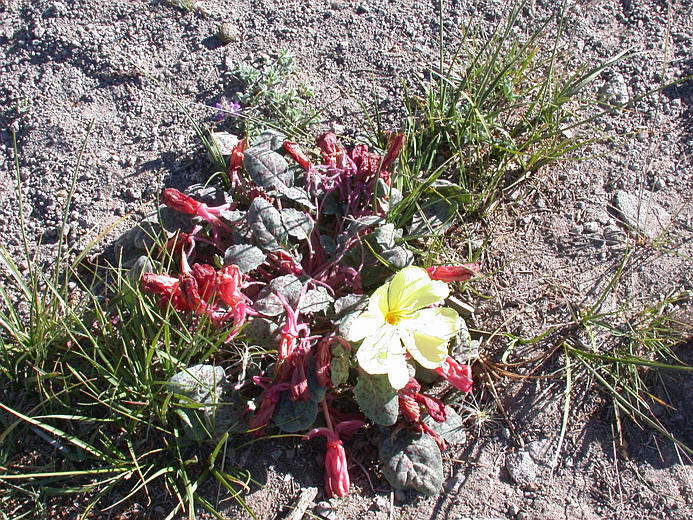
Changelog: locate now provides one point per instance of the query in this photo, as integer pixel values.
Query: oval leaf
(266, 224)
(267, 169)
(269, 140)
(412, 461)
(245, 256)
(297, 223)
(452, 429)
(377, 399)
(294, 416)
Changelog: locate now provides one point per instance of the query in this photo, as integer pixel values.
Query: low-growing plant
(271, 93)
(284, 262)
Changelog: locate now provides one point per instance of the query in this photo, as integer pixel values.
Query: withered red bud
(410, 408)
(294, 150)
(236, 161)
(459, 376)
(434, 407)
(160, 284)
(180, 202)
(323, 358)
(299, 381)
(394, 151)
(189, 291)
(229, 282)
(205, 276)
(453, 273)
(328, 143)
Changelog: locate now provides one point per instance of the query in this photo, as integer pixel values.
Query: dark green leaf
(245, 256)
(316, 300)
(412, 461)
(297, 223)
(270, 140)
(438, 215)
(296, 195)
(266, 224)
(377, 399)
(267, 169)
(451, 430)
(294, 416)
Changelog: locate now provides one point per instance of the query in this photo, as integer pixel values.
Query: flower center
(393, 317)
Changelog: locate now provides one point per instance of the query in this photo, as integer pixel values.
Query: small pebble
(228, 33)
(325, 510)
(590, 227)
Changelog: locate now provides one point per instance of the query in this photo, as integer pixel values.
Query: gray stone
(641, 214)
(539, 449)
(614, 236)
(228, 32)
(522, 469)
(325, 510)
(590, 227)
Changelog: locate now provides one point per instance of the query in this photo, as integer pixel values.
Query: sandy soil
(66, 64)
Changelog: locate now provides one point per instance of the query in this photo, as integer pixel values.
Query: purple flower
(226, 108)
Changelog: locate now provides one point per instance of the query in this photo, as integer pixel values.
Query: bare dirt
(551, 252)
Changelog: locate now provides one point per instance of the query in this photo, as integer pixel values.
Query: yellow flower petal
(364, 325)
(377, 304)
(412, 289)
(426, 335)
(377, 350)
(397, 371)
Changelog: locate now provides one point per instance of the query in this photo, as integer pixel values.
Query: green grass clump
(626, 350)
(84, 359)
(498, 109)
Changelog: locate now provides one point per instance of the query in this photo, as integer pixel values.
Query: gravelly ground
(65, 64)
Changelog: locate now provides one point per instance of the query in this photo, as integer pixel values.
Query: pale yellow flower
(400, 319)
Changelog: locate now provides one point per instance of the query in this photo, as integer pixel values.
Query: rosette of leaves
(412, 461)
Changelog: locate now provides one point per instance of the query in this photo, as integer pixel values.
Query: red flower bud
(434, 407)
(205, 276)
(323, 359)
(159, 284)
(236, 160)
(269, 404)
(297, 154)
(410, 408)
(459, 376)
(189, 292)
(336, 473)
(299, 380)
(365, 161)
(394, 151)
(229, 282)
(328, 144)
(180, 202)
(453, 273)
